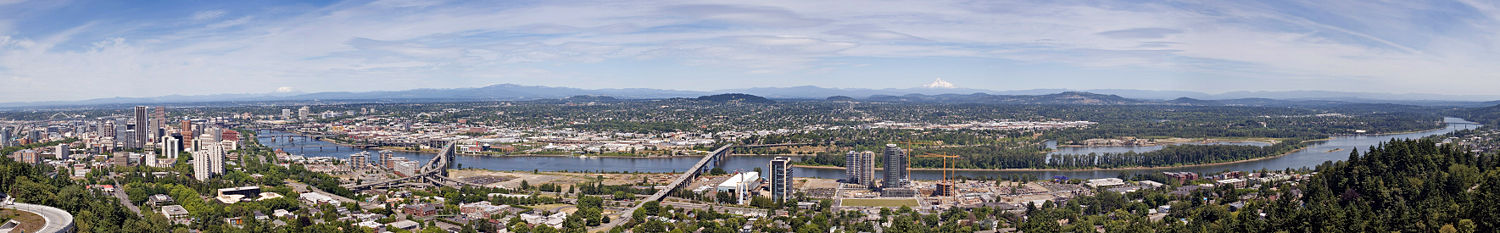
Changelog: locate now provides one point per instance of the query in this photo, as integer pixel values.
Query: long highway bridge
(713, 160)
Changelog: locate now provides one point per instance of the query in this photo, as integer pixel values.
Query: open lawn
(880, 202)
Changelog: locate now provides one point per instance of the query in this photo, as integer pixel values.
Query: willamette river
(1310, 157)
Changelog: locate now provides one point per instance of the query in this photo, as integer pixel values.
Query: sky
(58, 50)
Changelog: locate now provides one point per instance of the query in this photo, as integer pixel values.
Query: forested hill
(1405, 186)
(736, 97)
(1486, 115)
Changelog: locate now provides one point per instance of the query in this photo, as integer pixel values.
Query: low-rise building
(554, 220)
(159, 200)
(312, 198)
(176, 214)
(1236, 182)
(1106, 182)
(482, 209)
(420, 209)
(404, 225)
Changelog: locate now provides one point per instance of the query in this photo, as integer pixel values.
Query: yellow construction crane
(946, 186)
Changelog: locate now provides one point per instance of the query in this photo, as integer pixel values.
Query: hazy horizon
(81, 50)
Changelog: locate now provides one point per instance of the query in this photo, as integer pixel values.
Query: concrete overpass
(432, 173)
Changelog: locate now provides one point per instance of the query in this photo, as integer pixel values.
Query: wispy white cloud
(208, 14)
(400, 44)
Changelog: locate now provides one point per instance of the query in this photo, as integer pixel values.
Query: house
(282, 213)
(235, 221)
(420, 210)
(176, 214)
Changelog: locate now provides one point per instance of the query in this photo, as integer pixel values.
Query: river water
(1310, 157)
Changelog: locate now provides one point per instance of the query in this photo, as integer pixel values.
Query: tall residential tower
(896, 176)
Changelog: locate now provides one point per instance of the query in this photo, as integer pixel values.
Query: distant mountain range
(513, 92)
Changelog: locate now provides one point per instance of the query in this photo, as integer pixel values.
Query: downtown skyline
(76, 50)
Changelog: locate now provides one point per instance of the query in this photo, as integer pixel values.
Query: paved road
(125, 199)
(57, 219)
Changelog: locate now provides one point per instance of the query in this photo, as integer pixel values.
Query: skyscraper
(859, 167)
(286, 113)
(851, 171)
(896, 176)
(895, 167)
(781, 178)
(128, 139)
(142, 132)
(866, 164)
(158, 122)
(304, 112)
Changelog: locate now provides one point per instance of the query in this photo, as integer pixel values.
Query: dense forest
(93, 211)
(1400, 186)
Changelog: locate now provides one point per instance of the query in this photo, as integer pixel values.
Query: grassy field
(549, 207)
(29, 221)
(880, 202)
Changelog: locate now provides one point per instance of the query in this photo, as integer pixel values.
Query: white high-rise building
(216, 158)
(170, 146)
(286, 113)
(208, 161)
(304, 112)
(151, 160)
(201, 169)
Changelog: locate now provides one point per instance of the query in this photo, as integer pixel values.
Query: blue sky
(81, 49)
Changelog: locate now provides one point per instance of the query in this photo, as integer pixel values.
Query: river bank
(1072, 169)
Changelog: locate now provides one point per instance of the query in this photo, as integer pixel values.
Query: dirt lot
(880, 202)
(513, 179)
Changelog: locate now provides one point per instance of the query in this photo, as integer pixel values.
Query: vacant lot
(880, 202)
